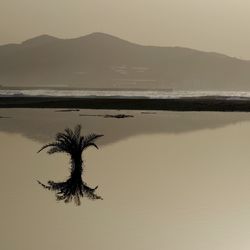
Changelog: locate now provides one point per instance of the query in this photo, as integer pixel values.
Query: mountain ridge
(98, 35)
(100, 60)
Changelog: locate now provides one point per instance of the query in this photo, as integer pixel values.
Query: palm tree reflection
(72, 143)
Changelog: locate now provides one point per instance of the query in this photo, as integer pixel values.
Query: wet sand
(211, 103)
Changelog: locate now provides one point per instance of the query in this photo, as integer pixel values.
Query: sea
(154, 94)
(169, 180)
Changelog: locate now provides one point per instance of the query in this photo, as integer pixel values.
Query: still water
(169, 180)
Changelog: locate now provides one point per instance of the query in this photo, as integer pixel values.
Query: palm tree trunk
(76, 166)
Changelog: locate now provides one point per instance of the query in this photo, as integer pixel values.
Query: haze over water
(169, 180)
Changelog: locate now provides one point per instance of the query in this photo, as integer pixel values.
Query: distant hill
(103, 61)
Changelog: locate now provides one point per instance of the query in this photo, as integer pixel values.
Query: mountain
(100, 60)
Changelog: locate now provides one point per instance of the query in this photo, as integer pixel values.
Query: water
(123, 93)
(169, 180)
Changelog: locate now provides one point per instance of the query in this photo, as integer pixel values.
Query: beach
(203, 103)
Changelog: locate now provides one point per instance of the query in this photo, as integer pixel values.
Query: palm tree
(72, 143)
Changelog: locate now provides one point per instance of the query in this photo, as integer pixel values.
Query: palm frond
(55, 147)
(68, 146)
(89, 140)
(77, 132)
(44, 186)
(64, 138)
(53, 150)
(71, 189)
(53, 144)
(91, 144)
(69, 133)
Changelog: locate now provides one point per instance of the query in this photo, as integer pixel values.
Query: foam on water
(122, 93)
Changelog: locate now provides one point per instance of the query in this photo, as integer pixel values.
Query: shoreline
(211, 103)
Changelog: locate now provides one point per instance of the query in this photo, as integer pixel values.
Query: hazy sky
(214, 25)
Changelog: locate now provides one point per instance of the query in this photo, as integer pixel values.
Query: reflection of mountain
(41, 125)
(103, 61)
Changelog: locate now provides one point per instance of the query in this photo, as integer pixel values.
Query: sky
(214, 25)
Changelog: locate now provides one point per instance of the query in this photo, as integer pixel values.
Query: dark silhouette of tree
(72, 143)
